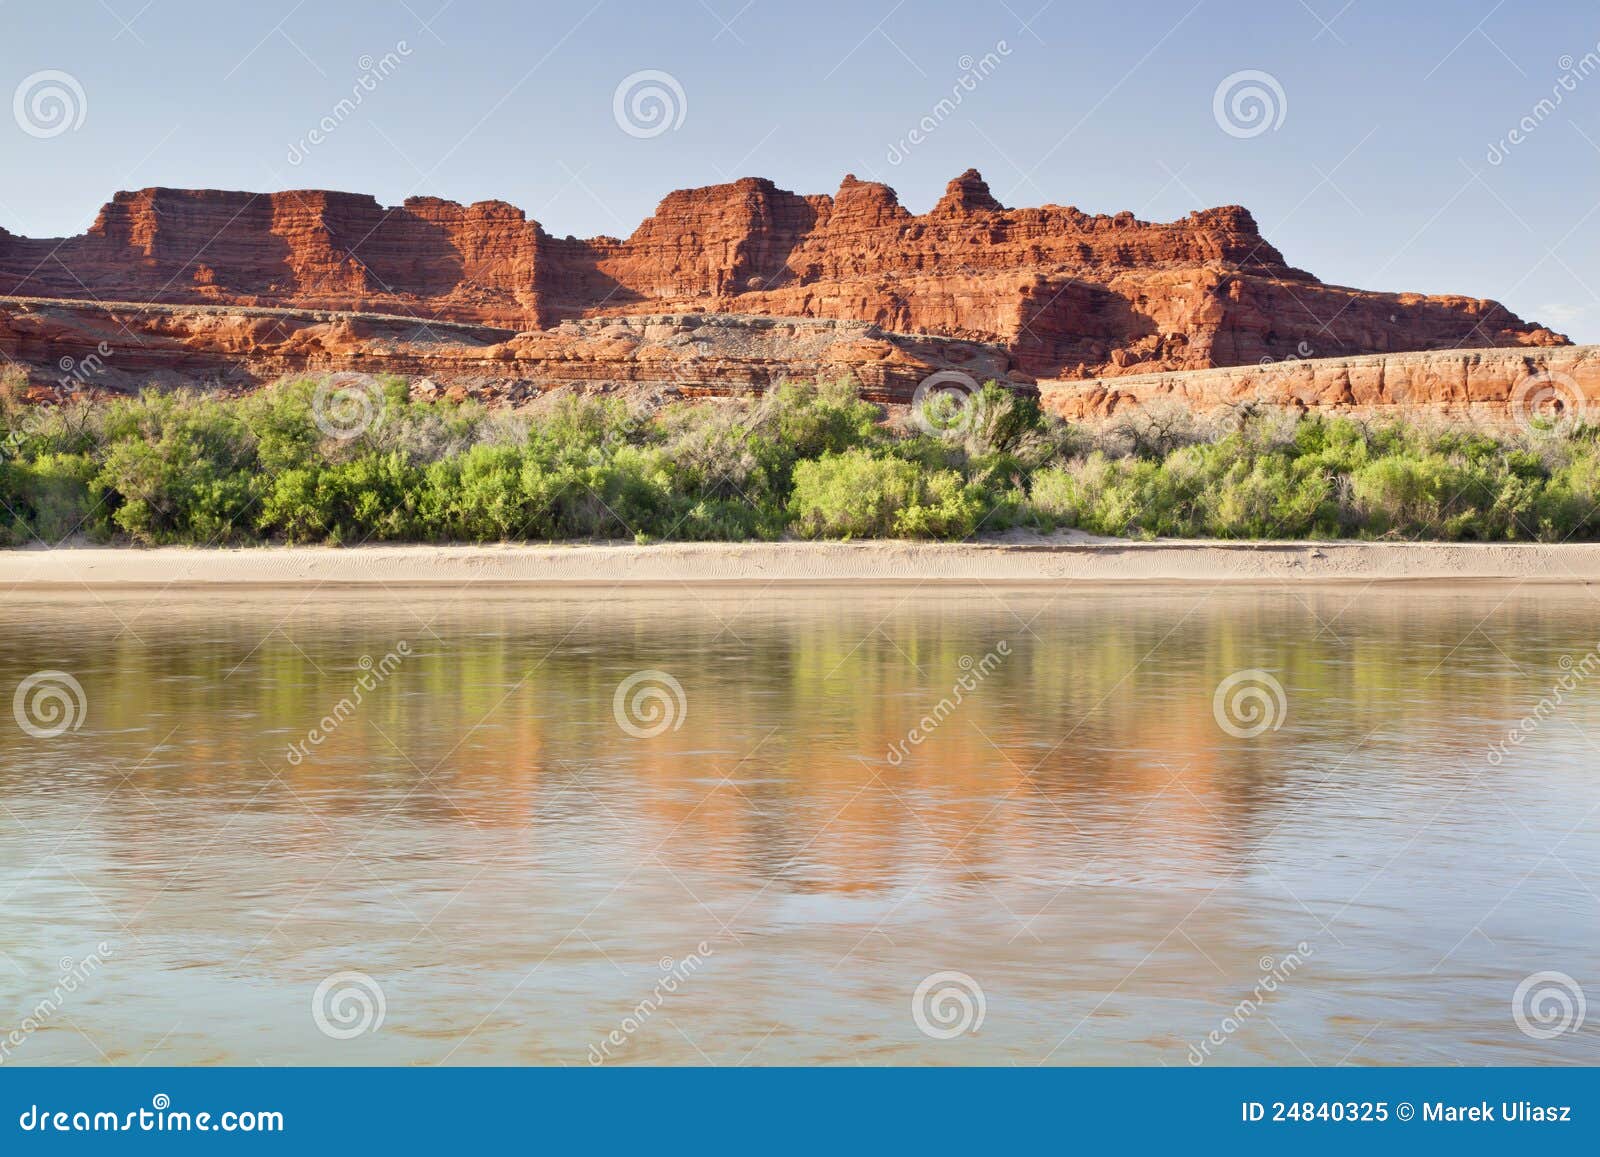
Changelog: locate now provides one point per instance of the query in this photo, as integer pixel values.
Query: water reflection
(475, 831)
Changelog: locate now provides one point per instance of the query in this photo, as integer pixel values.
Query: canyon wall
(68, 346)
(1497, 385)
(73, 346)
(1065, 293)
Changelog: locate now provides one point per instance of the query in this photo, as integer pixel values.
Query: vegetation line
(306, 462)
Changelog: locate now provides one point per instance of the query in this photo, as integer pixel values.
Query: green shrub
(179, 469)
(805, 460)
(857, 495)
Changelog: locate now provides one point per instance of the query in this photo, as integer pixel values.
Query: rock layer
(1496, 385)
(1068, 294)
(75, 346)
(72, 346)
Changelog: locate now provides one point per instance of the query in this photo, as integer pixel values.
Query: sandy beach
(1022, 560)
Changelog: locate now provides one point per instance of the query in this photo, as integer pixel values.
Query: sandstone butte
(733, 287)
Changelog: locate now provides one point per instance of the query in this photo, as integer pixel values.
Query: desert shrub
(370, 498)
(178, 469)
(851, 495)
(806, 460)
(713, 452)
(1056, 499)
(721, 520)
(857, 495)
(803, 421)
(622, 496)
(477, 496)
(1264, 498)
(1153, 431)
(1119, 496)
(944, 507)
(58, 498)
(1402, 494)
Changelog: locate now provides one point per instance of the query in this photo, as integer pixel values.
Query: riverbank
(1017, 559)
(320, 463)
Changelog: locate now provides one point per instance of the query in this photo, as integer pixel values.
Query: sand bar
(1042, 561)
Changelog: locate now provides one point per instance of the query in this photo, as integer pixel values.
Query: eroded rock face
(1496, 385)
(1067, 294)
(74, 347)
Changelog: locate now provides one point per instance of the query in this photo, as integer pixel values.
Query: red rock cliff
(1069, 294)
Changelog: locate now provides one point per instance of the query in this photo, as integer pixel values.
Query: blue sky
(1375, 172)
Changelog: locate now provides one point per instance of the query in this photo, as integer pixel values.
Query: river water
(845, 825)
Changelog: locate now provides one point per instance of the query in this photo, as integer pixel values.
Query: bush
(179, 469)
(857, 495)
(809, 460)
